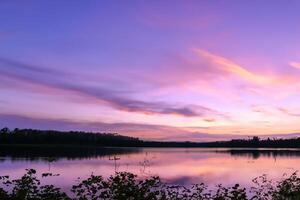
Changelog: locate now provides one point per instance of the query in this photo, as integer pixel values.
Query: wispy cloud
(63, 83)
(206, 70)
(145, 131)
(261, 109)
(288, 112)
(229, 66)
(295, 65)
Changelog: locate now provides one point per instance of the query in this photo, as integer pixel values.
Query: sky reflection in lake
(173, 165)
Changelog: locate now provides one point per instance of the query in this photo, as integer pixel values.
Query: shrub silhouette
(125, 185)
(29, 187)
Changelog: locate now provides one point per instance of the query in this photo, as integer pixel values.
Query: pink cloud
(288, 112)
(231, 68)
(295, 65)
(206, 68)
(226, 65)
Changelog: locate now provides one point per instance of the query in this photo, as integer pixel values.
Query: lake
(182, 166)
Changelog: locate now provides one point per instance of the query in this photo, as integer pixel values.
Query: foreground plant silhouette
(124, 185)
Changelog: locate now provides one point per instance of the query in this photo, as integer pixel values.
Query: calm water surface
(174, 165)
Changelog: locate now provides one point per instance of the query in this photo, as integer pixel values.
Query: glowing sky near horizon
(153, 69)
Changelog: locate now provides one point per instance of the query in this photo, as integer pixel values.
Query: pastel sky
(168, 70)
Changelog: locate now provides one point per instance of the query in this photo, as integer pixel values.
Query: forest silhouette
(89, 139)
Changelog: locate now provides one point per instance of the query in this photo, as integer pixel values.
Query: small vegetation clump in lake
(124, 185)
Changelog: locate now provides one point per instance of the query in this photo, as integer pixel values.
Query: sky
(163, 70)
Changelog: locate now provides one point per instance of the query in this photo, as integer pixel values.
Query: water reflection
(174, 165)
(257, 153)
(56, 153)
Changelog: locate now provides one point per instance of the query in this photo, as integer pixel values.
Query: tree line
(46, 137)
(52, 137)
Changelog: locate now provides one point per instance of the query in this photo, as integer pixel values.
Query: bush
(125, 185)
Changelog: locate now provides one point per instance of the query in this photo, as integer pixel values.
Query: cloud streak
(295, 65)
(145, 131)
(55, 80)
(288, 112)
(230, 67)
(227, 67)
(207, 71)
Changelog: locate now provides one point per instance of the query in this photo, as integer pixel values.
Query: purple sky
(171, 70)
